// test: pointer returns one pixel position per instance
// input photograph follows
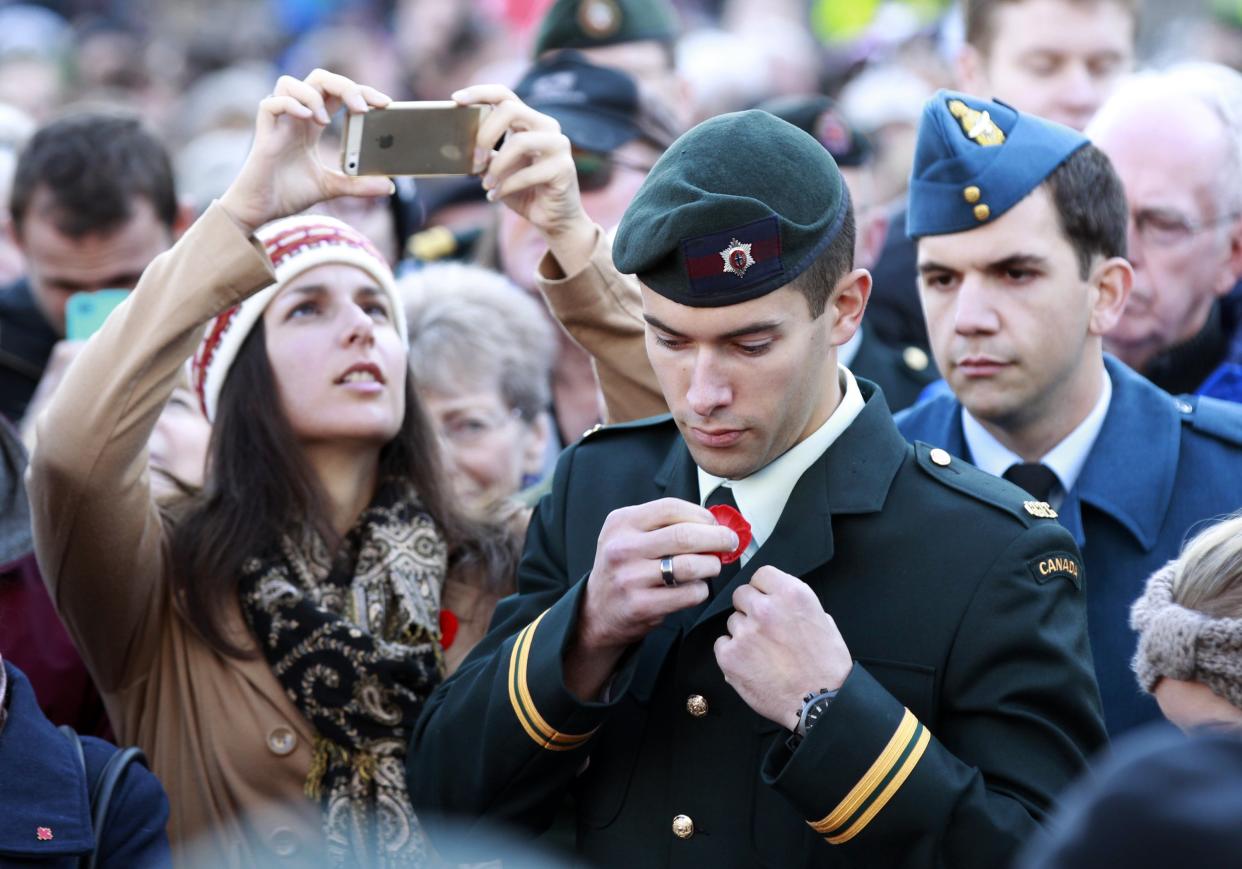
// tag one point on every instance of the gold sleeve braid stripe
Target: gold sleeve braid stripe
(519, 695)
(873, 791)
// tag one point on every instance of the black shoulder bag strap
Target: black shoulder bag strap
(104, 786)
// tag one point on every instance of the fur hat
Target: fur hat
(1185, 644)
(295, 245)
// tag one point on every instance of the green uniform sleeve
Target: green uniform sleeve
(1019, 714)
(502, 739)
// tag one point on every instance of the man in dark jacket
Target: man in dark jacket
(92, 204)
(885, 664)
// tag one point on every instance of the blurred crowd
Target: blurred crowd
(155, 592)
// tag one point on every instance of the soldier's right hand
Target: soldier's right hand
(626, 595)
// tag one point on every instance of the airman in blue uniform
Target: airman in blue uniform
(1021, 227)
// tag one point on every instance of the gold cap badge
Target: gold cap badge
(978, 126)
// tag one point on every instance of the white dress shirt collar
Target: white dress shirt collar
(1066, 459)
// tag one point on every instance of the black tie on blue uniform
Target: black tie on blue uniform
(1036, 478)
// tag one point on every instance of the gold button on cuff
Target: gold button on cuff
(696, 705)
(683, 827)
(982, 212)
(971, 194)
(282, 741)
(940, 457)
(915, 358)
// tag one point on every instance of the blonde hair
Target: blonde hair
(1208, 573)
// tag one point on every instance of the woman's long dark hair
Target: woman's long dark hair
(259, 485)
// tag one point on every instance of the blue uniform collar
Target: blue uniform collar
(1130, 471)
(1132, 468)
(44, 783)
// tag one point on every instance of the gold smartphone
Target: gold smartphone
(412, 138)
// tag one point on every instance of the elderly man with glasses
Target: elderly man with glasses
(1175, 138)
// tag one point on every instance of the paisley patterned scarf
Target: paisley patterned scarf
(353, 638)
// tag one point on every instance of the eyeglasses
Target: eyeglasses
(474, 428)
(1162, 227)
(595, 168)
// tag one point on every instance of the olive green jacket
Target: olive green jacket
(971, 705)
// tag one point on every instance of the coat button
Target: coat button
(683, 827)
(282, 741)
(284, 842)
(982, 212)
(696, 705)
(971, 194)
(940, 457)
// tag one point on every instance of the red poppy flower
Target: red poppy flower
(448, 628)
(730, 518)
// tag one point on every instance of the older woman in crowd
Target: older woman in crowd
(1190, 631)
(482, 352)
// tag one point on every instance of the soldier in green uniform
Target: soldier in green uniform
(895, 672)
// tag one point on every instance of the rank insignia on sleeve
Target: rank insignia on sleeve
(737, 258)
(1040, 509)
(978, 126)
(1056, 565)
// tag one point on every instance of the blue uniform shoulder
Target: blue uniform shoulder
(1212, 417)
(981, 486)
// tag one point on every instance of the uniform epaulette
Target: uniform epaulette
(1212, 416)
(969, 480)
(600, 430)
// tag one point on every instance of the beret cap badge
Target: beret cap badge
(737, 258)
(599, 18)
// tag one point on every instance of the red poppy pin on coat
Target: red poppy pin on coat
(730, 518)
(448, 628)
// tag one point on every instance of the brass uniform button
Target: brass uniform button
(696, 705)
(915, 358)
(982, 212)
(940, 457)
(282, 741)
(971, 194)
(683, 827)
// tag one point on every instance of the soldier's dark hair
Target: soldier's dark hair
(1091, 206)
(94, 164)
(820, 278)
(979, 18)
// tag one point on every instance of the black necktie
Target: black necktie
(1036, 478)
(724, 495)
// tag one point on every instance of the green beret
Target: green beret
(737, 207)
(588, 23)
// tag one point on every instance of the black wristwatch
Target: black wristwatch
(814, 705)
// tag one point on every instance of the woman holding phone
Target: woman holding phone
(269, 640)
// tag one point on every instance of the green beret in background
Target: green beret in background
(588, 23)
(739, 206)
(975, 159)
(822, 118)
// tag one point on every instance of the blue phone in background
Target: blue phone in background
(86, 312)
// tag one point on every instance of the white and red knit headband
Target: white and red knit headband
(294, 244)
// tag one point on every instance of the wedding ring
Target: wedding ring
(666, 571)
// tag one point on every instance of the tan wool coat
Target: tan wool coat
(231, 749)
